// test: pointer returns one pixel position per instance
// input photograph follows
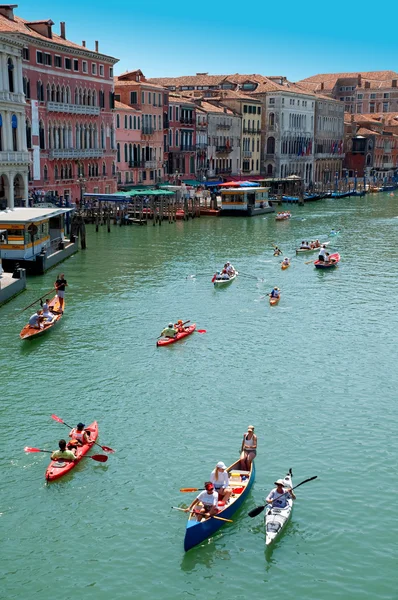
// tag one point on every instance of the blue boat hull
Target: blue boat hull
(198, 532)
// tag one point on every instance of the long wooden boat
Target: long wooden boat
(167, 341)
(283, 217)
(334, 260)
(308, 250)
(58, 468)
(276, 518)
(220, 282)
(196, 532)
(29, 332)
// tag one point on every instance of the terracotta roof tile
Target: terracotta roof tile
(121, 106)
(21, 26)
(366, 131)
(377, 79)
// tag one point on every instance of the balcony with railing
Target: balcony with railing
(201, 146)
(73, 109)
(150, 164)
(147, 130)
(14, 158)
(75, 153)
(223, 126)
(187, 121)
(224, 149)
(188, 147)
(134, 164)
(246, 154)
(225, 171)
(251, 130)
(16, 97)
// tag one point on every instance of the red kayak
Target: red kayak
(58, 468)
(179, 336)
(333, 261)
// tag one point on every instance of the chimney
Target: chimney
(96, 45)
(322, 86)
(7, 10)
(63, 34)
(84, 43)
(394, 83)
(359, 80)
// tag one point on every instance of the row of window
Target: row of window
(67, 171)
(248, 145)
(176, 113)
(152, 98)
(60, 136)
(292, 102)
(69, 64)
(62, 94)
(252, 110)
(332, 124)
(137, 155)
(185, 138)
(142, 176)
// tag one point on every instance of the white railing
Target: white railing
(246, 154)
(12, 97)
(150, 164)
(14, 157)
(75, 153)
(74, 109)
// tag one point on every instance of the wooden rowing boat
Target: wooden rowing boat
(196, 532)
(220, 282)
(29, 332)
(308, 250)
(334, 259)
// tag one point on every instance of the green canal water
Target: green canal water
(316, 375)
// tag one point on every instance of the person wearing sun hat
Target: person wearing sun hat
(248, 449)
(220, 479)
(208, 499)
(279, 496)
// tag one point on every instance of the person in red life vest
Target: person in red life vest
(208, 499)
(79, 436)
(179, 326)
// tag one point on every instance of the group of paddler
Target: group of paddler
(49, 313)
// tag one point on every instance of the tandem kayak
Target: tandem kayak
(276, 518)
(179, 336)
(241, 481)
(274, 301)
(333, 262)
(29, 332)
(58, 468)
(308, 250)
(218, 282)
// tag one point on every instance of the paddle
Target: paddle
(259, 509)
(104, 448)
(98, 457)
(38, 300)
(201, 330)
(198, 513)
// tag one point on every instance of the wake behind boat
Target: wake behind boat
(275, 518)
(241, 481)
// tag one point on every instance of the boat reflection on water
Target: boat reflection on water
(205, 554)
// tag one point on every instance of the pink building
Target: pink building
(69, 112)
(132, 89)
(128, 143)
(182, 138)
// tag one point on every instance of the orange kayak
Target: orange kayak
(283, 266)
(274, 301)
(29, 332)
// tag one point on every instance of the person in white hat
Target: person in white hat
(279, 496)
(220, 479)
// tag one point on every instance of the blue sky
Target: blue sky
(277, 37)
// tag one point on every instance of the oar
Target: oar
(104, 448)
(259, 509)
(38, 300)
(198, 513)
(98, 457)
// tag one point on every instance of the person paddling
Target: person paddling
(169, 331)
(36, 320)
(63, 453)
(286, 261)
(209, 501)
(275, 293)
(79, 436)
(60, 286)
(279, 496)
(322, 253)
(277, 251)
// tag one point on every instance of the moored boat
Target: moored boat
(196, 532)
(276, 518)
(334, 259)
(220, 281)
(29, 332)
(179, 336)
(58, 468)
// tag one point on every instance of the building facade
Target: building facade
(14, 157)
(328, 140)
(181, 138)
(359, 93)
(69, 113)
(132, 89)
(128, 145)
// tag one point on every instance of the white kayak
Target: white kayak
(224, 281)
(308, 250)
(276, 518)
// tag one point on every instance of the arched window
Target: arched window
(271, 145)
(56, 174)
(10, 66)
(89, 97)
(1, 133)
(113, 168)
(271, 119)
(125, 153)
(76, 96)
(40, 91)
(118, 153)
(14, 127)
(103, 169)
(26, 87)
(96, 170)
(135, 122)
(58, 94)
(102, 137)
(42, 140)
(63, 99)
(45, 173)
(94, 98)
(53, 93)
(130, 152)
(67, 94)
(117, 121)
(28, 134)
(125, 122)
(131, 122)
(269, 170)
(176, 138)
(84, 101)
